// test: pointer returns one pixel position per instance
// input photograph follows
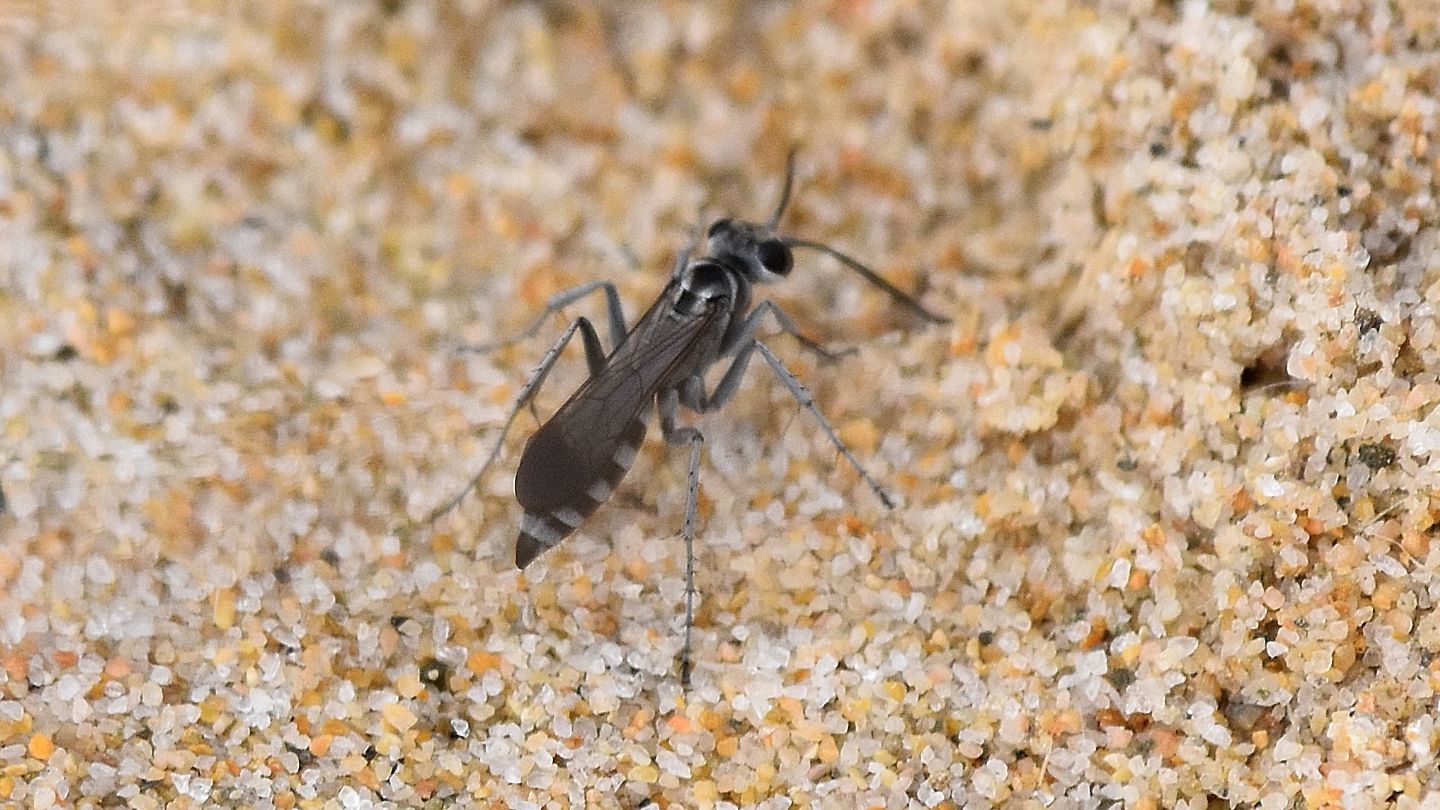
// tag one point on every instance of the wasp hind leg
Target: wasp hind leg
(594, 356)
(668, 404)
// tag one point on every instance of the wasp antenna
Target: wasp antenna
(900, 296)
(785, 189)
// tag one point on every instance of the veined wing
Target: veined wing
(593, 437)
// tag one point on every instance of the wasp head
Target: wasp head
(753, 249)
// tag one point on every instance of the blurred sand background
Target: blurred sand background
(1166, 529)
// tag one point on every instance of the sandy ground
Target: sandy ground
(1165, 530)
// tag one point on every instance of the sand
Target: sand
(1164, 533)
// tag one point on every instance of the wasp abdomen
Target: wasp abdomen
(559, 485)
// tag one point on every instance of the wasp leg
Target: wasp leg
(667, 404)
(594, 354)
(803, 397)
(615, 315)
(692, 392)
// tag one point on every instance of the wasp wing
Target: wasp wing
(592, 438)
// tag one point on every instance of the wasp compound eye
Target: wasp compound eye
(775, 256)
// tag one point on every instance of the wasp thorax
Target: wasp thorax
(704, 282)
